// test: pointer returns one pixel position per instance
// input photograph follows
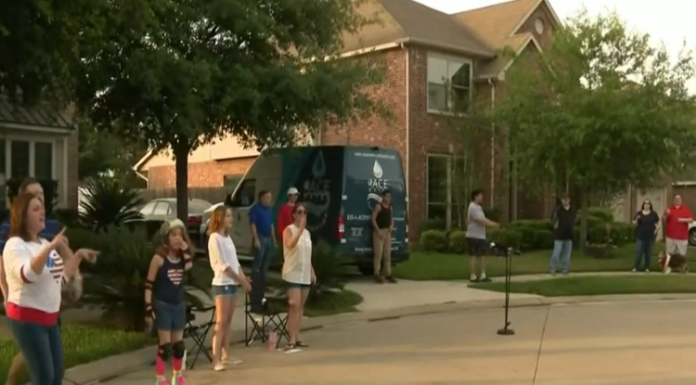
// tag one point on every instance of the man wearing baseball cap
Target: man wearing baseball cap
(285, 212)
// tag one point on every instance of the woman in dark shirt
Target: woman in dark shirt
(647, 222)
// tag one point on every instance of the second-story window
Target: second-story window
(449, 83)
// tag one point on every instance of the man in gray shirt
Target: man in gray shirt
(476, 235)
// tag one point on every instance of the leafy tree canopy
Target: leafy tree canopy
(601, 108)
(182, 73)
(39, 42)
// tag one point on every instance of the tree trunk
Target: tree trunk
(181, 152)
(584, 198)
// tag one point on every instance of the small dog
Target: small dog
(670, 262)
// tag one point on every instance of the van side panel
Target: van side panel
(369, 172)
(319, 180)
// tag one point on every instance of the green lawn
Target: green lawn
(83, 344)
(629, 284)
(434, 266)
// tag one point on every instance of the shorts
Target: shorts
(676, 246)
(295, 285)
(225, 290)
(477, 247)
(169, 317)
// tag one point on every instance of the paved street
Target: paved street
(620, 343)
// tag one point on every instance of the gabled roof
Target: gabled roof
(42, 116)
(406, 21)
(497, 22)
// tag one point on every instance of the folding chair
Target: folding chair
(198, 332)
(274, 318)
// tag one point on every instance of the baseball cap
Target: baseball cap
(293, 191)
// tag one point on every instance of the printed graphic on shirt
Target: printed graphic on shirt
(54, 264)
(176, 275)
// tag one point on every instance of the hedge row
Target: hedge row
(527, 235)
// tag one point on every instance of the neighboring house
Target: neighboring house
(222, 163)
(38, 142)
(427, 51)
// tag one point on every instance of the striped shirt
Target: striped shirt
(49, 232)
(32, 297)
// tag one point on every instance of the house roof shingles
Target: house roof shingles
(36, 116)
(483, 32)
(495, 23)
(404, 21)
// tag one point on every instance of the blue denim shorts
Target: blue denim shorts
(169, 316)
(225, 290)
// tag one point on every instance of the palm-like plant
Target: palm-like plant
(108, 203)
(330, 268)
(118, 286)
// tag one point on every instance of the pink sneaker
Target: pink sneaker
(179, 379)
(162, 381)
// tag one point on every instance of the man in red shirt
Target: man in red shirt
(285, 213)
(676, 219)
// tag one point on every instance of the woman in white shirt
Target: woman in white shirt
(35, 273)
(298, 272)
(226, 281)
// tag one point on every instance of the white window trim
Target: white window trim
(449, 58)
(32, 152)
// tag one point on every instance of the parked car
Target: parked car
(692, 233)
(165, 209)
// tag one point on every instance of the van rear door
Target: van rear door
(369, 172)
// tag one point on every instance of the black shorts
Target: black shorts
(477, 247)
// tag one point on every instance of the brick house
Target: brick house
(426, 52)
(39, 142)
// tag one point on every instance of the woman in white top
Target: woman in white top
(226, 281)
(298, 272)
(35, 273)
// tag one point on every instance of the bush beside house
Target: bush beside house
(533, 234)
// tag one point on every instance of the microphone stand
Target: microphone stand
(506, 330)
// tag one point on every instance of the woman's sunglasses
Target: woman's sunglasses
(300, 212)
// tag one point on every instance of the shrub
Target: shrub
(82, 238)
(433, 240)
(543, 239)
(621, 233)
(602, 214)
(67, 217)
(108, 203)
(329, 267)
(509, 237)
(457, 242)
(118, 284)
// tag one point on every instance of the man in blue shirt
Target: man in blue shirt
(263, 238)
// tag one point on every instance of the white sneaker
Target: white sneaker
(291, 348)
(472, 277)
(483, 277)
(634, 270)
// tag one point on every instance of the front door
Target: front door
(241, 229)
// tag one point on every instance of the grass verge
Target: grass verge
(442, 267)
(585, 286)
(333, 302)
(81, 345)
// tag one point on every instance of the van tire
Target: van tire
(366, 270)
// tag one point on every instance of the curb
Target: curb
(116, 366)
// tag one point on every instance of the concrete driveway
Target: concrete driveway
(611, 343)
